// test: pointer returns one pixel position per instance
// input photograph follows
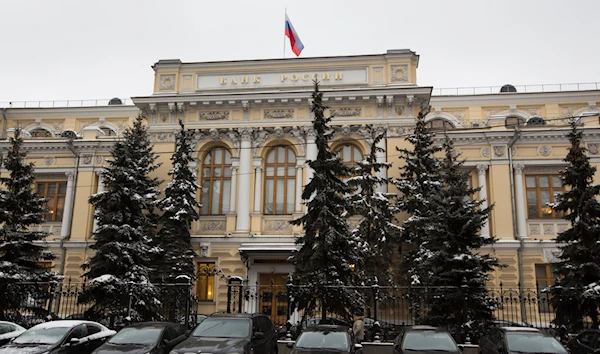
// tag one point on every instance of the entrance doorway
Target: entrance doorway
(273, 297)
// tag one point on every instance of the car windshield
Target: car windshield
(533, 343)
(323, 340)
(48, 335)
(223, 327)
(428, 340)
(137, 335)
(4, 328)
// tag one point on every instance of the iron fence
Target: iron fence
(393, 307)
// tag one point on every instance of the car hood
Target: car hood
(427, 352)
(317, 351)
(109, 348)
(211, 345)
(25, 348)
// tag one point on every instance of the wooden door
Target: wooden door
(273, 297)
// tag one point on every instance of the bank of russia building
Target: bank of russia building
(253, 136)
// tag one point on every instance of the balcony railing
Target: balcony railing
(67, 103)
(486, 90)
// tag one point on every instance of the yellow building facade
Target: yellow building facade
(253, 136)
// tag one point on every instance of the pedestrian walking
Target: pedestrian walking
(359, 329)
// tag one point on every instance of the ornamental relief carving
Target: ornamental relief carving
(279, 114)
(400, 110)
(167, 82)
(399, 73)
(277, 225)
(485, 152)
(499, 151)
(48, 160)
(212, 225)
(567, 112)
(346, 112)
(593, 148)
(534, 230)
(162, 137)
(224, 115)
(548, 229)
(545, 150)
(87, 159)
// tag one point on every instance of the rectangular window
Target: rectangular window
(542, 190)
(545, 276)
(55, 192)
(205, 283)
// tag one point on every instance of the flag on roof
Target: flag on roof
(295, 41)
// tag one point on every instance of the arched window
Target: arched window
(108, 131)
(216, 182)
(514, 121)
(40, 133)
(280, 181)
(536, 121)
(439, 124)
(350, 154)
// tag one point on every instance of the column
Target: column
(67, 211)
(233, 194)
(298, 206)
(243, 201)
(311, 152)
(381, 157)
(100, 190)
(482, 183)
(520, 201)
(257, 188)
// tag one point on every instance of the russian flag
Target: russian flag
(295, 41)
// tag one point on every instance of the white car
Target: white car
(8, 331)
(59, 337)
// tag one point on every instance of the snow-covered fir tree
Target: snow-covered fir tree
(21, 209)
(176, 256)
(419, 182)
(458, 271)
(576, 294)
(376, 232)
(323, 274)
(127, 222)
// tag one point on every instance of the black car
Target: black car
(60, 337)
(325, 338)
(586, 342)
(145, 337)
(507, 340)
(311, 322)
(386, 330)
(231, 333)
(8, 331)
(424, 340)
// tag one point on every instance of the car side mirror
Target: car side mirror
(258, 335)
(358, 346)
(289, 345)
(74, 341)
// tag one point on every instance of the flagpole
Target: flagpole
(284, 19)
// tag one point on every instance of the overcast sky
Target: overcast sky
(100, 49)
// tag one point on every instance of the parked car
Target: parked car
(585, 342)
(325, 338)
(506, 340)
(60, 337)
(298, 328)
(387, 330)
(193, 321)
(231, 333)
(424, 339)
(8, 331)
(145, 337)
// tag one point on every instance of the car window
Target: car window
(495, 337)
(78, 332)
(42, 335)
(6, 328)
(223, 328)
(587, 338)
(92, 329)
(533, 343)
(265, 324)
(137, 335)
(170, 333)
(323, 340)
(428, 340)
(179, 330)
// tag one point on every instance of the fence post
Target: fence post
(188, 303)
(130, 292)
(375, 299)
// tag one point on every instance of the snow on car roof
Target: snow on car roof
(11, 323)
(521, 329)
(64, 323)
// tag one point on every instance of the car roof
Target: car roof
(65, 323)
(234, 315)
(423, 328)
(521, 329)
(11, 323)
(152, 324)
(327, 328)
